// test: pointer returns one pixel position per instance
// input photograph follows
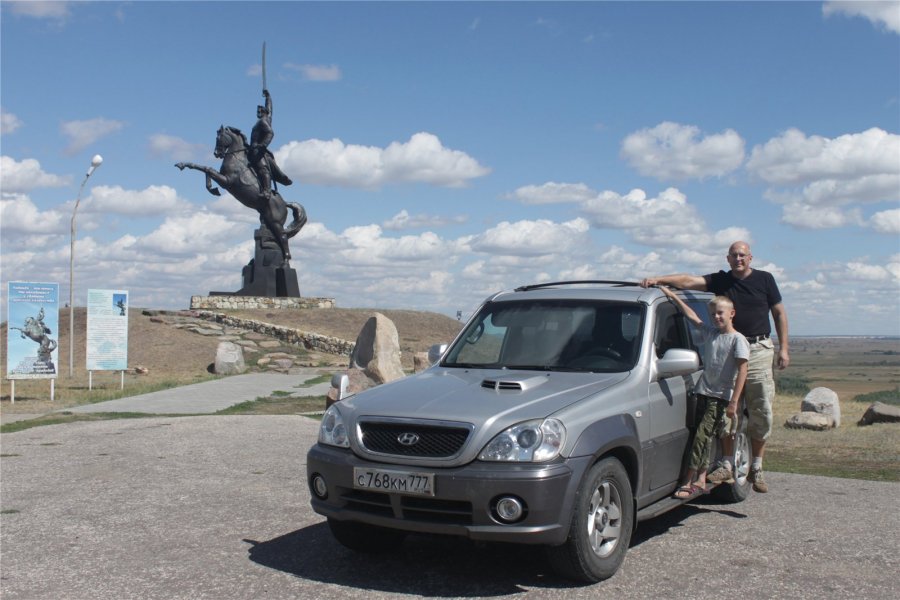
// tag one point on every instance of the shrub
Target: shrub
(792, 385)
(884, 396)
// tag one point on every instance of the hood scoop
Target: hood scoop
(513, 384)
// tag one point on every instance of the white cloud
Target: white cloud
(667, 220)
(18, 214)
(9, 122)
(422, 159)
(27, 175)
(804, 216)
(887, 221)
(155, 200)
(821, 181)
(84, 133)
(403, 220)
(48, 9)
(884, 15)
(317, 72)
(175, 148)
(194, 234)
(552, 193)
(532, 238)
(793, 158)
(675, 151)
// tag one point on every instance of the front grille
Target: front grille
(431, 441)
(411, 508)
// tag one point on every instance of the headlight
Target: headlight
(531, 441)
(333, 431)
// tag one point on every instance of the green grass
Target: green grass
(315, 381)
(277, 405)
(67, 417)
(77, 395)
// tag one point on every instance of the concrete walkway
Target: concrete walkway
(209, 396)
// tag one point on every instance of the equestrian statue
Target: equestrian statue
(250, 174)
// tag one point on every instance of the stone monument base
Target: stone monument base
(267, 274)
(231, 302)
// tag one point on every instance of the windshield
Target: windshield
(552, 335)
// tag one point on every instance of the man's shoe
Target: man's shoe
(721, 475)
(756, 478)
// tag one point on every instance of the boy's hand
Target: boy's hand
(731, 409)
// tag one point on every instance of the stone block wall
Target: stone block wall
(257, 302)
(309, 340)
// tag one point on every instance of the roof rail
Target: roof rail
(536, 286)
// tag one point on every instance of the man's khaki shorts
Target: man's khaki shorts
(759, 392)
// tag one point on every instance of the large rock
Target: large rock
(880, 412)
(810, 420)
(823, 401)
(229, 359)
(377, 350)
(358, 382)
(420, 361)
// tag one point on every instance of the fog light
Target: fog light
(509, 509)
(318, 487)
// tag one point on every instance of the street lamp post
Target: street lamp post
(95, 162)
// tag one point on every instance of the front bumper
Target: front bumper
(463, 501)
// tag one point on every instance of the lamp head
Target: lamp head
(95, 162)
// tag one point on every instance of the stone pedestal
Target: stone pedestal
(265, 275)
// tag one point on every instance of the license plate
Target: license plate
(400, 482)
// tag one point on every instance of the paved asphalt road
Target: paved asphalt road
(216, 507)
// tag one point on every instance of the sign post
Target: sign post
(107, 332)
(32, 332)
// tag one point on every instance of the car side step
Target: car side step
(666, 504)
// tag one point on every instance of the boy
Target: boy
(720, 386)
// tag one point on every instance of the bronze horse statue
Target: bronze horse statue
(239, 179)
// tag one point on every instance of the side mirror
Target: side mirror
(436, 352)
(340, 381)
(676, 362)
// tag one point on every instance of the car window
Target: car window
(700, 307)
(576, 335)
(670, 330)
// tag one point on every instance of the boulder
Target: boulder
(879, 412)
(823, 401)
(420, 361)
(377, 350)
(229, 359)
(810, 420)
(358, 382)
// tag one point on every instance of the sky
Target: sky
(448, 150)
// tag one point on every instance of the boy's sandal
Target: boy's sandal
(689, 491)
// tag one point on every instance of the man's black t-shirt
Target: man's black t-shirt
(753, 297)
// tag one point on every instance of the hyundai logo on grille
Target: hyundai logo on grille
(408, 439)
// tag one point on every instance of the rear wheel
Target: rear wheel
(601, 526)
(362, 537)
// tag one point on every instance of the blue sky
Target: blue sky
(444, 151)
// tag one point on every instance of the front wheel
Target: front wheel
(362, 537)
(601, 526)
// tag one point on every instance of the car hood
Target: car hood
(490, 400)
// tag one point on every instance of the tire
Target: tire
(738, 491)
(365, 538)
(601, 527)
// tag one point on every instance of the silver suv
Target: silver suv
(560, 416)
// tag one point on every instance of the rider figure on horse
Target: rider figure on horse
(261, 159)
